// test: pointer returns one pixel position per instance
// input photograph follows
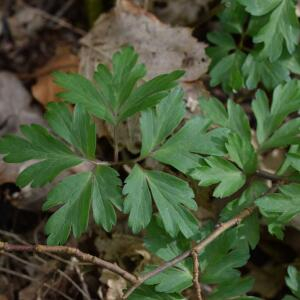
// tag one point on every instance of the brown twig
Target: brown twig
(199, 247)
(196, 275)
(71, 251)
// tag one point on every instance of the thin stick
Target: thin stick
(196, 275)
(71, 251)
(200, 246)
(81, 278)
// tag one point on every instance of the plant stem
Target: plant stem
(71, 251)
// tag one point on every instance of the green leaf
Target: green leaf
(177, 151)
(228, 72)
(286, 135)
(38, 144)
(249, 228)
(269, 73)
(281, 29)
(73, 195)
(214, 110)
(224, 43)
(148, 293)
(114, 95)
(218, 170)
(138, 201)
(173, 280)
(221, 258)
(238, 120)
(79, 90)
(160, 243)
(286, 100)
(158, 123)
(293, 280)
(172, 196)
(259, 7)
(234, 118)
(106, 193)
(279, 208)
(78, 130)
(233, 17)
(293, 158)
(149, 94)
(242, 153)
(288, 297)
(260, 107)
(59, 117)
(252, 193)
(234, 289)
(292, 61)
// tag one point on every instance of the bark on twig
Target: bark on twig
(85, 257)
(196, 275)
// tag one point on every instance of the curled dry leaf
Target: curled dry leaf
(158, 49)
(115, 285)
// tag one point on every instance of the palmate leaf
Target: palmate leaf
(233, 17)
(172, 196)
(75, 194)
(183, 150)
(228, 72)
(281, 29)
(77, 129)
(238, 143)
(279, 208)
(53, 155)
(220, 260)
(158, 123)
(227, 61)
(269, 73)
(218, 170)
(114, 95)
(38, 144)
(286, 100)
(234, 118)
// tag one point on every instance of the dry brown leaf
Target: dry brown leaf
(45, 90)
(115, 283)
(153, 40)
